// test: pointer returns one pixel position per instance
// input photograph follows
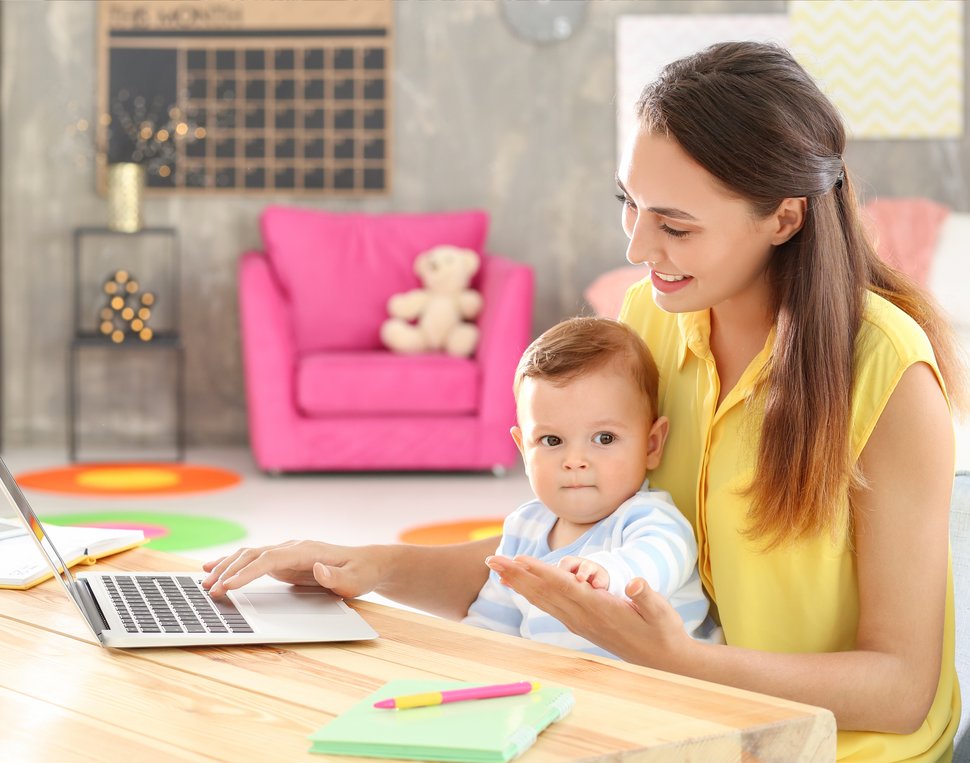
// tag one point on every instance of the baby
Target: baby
(588, 430)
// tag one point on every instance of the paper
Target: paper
(475, 731)
(22, 565)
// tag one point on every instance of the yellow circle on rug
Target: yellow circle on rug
(453, 532)
(128, 479)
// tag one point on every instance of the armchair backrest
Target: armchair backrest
(337, 270)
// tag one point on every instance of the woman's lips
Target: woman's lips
(668, 286)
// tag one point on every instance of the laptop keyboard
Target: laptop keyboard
(171, 604)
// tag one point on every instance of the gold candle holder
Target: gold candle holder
(126, 192)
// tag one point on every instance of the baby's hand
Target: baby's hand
(586, 571)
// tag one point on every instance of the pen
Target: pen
(457, 695)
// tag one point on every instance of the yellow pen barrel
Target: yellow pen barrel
(418, 700)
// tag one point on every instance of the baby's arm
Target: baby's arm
(495, 608)
(651, 540)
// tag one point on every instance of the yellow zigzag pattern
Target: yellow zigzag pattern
(893, 68)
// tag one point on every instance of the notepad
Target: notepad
(22, 565)
(477, 731)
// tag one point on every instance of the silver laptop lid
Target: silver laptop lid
(35, 529)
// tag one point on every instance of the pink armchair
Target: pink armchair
(323, 394)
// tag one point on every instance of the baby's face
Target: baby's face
(584, 443)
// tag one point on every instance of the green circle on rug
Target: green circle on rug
(167, 532)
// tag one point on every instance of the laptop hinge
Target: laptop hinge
(95, 615)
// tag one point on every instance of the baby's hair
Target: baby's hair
(578, 346)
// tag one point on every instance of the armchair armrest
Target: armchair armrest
(269, 352)
(505, 327)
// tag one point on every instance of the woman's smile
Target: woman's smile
(668, 283)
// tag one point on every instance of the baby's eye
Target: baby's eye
(550, 440)
(604, 438)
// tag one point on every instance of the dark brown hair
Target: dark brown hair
(578, 346)
(754, 119)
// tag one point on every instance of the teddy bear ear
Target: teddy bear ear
(472, 261)
(421, 261)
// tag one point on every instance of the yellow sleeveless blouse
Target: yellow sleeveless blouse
(804, 596)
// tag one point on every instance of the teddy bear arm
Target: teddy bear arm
(469, 304)
(408, 305)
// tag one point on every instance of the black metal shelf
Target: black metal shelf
(165, 340)
(99, 340)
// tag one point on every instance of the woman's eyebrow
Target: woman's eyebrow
(677, 214)
(671, 212)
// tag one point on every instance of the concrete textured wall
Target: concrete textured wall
(482, 119)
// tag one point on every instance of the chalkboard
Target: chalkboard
(258, 96)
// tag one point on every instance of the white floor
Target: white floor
(339, 508)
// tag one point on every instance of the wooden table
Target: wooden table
(64, 698)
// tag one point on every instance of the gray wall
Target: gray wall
(481, 119)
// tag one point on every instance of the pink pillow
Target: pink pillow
(905, 233)
(605, 295)
(338, 270)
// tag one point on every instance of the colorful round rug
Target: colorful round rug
(453, 532)
(166, 532)
(129, 479)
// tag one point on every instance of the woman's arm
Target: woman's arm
(443, 580)
(888, 682)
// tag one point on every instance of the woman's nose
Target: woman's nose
(642, 249)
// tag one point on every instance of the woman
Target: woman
(811, 445)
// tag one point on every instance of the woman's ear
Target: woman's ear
(788, 219)
(655, 441)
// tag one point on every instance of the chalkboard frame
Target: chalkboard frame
(254, 97)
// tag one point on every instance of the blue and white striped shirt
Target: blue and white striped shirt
(645, 537)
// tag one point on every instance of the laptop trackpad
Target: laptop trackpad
(294, 602)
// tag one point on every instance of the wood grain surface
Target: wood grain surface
(64, 698)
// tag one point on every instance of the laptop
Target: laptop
(144, 609)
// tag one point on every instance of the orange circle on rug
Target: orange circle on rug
(129, 479)
(453, 532)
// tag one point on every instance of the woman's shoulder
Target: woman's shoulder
(888, 331)
(888, 343)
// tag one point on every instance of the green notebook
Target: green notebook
(476, 730)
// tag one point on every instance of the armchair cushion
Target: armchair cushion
(337, 271)
(382, 383)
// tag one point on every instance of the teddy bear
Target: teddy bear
(434, 317)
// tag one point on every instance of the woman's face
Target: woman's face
(704, 247)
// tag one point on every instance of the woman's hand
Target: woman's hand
(346, 571)
(644, 629)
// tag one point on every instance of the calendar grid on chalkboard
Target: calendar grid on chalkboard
(259, 108)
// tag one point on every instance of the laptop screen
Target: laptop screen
(35, 529)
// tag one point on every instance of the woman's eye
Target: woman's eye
(673, 231)
(626, 201)
(550, 440)
(603, 438)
